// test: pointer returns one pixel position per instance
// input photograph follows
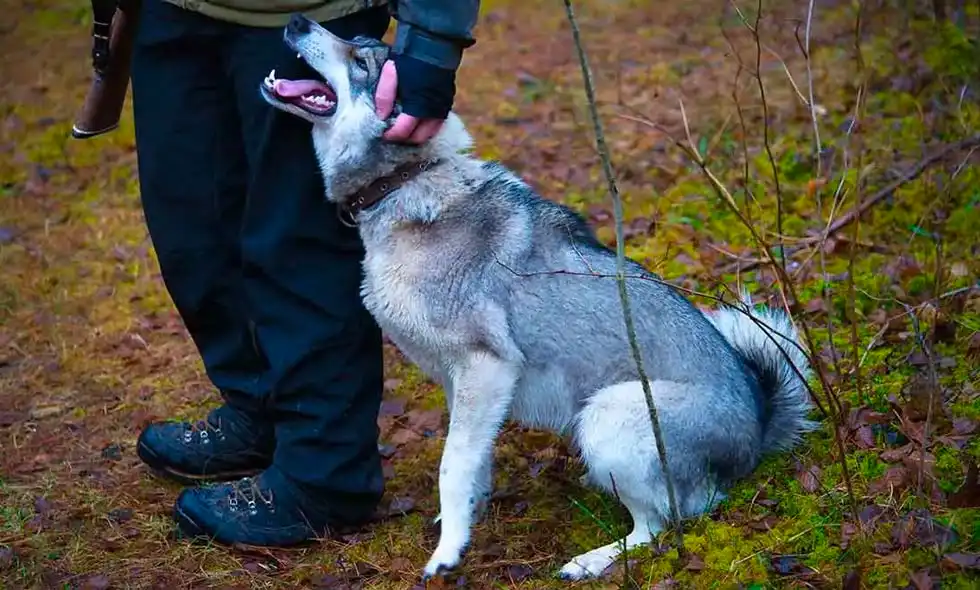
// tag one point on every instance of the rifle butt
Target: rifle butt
(103, 104)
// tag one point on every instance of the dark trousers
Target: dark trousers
(257, 263)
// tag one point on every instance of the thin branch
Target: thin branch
(620, 273)
(852, 215)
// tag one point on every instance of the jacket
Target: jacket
(433, 31)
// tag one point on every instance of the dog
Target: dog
(510, 303)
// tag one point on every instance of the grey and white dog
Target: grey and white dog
(509, 302)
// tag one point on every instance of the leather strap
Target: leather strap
(384, 186)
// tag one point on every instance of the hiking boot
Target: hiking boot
(227, 445)
(267, 510)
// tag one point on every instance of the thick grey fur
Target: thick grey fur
(508, 301)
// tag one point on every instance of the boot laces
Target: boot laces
(204, 430)
(247, 491)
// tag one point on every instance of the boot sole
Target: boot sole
(188, 528)
(159, 467)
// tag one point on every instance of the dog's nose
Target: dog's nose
(298, 24)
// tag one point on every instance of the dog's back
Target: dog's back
(559, 287)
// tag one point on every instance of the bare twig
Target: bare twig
(767, 143)
(783, 282)
(908, 310)
(818, 146)
(852, 215)
(620, 273)
(858, 182)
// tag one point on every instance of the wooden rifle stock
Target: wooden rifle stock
(114, 24)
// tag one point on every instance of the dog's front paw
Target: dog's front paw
(585, 566)
(444, 559)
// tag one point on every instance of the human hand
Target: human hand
(426, 100)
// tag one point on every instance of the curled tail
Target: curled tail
(771, 350)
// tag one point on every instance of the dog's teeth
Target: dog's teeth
(272, 74)
(299, 56)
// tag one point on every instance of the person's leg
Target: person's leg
(193, 181)
(302, 276)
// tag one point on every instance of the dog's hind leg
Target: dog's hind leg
(483, 388)
(616, 440)
(591, 564)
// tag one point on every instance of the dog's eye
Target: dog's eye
(361, 63)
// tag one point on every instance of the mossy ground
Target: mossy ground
(91, 349)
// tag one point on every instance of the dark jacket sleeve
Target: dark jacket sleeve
(434, 31)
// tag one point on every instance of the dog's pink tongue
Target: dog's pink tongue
(295, 88)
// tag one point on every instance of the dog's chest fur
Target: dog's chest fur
(398, 271)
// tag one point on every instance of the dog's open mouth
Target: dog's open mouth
(313, 96)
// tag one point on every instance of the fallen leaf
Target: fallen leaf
(809, 478)
(11, 418)
(866, 416)
(960, 426)
(42, 506)
(96, 582)
(816, 306)
(400, 564)
(120, 515)
(403, 436)
(694, 563)
(968, 495)
(925, 401)
(392, 407)
(943, 328)
(112, 452)
(787, 565)
(973, 348)
(960, 561)
(864, 437)
(852, 581)
(847, 532)
(765, 523)
(894, 479)
(889, 324)
(921, 580)
(520, 508)
(359, 570)
(425, 422)
(519, 572)
(401, 506)
(917, 461)
(7, 557)
(253, 567)
(919, 528)
(896, 455)
(328, 582)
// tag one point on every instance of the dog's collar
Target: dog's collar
(382, 187)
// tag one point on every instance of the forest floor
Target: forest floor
(91, 349)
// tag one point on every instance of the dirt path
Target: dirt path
(91, 349)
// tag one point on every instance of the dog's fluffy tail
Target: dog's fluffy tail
(768, 343)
